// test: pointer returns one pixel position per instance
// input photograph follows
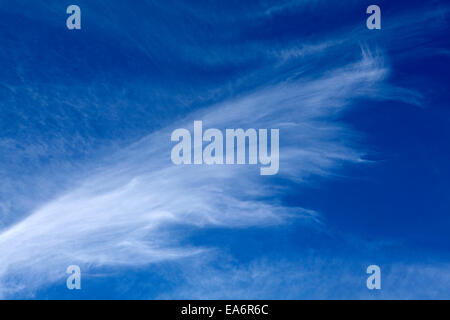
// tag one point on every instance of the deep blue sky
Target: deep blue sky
(372, 135)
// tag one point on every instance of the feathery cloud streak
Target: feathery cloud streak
(121, 214)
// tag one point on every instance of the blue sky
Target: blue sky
(85, 150)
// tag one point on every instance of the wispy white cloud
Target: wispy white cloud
(122, 213)
(312, 276)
